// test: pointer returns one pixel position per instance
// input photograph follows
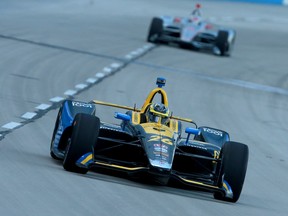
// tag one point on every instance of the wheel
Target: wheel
(84, 136)
(234, 165)
(155, 30)
(53, 136)
(222, 42)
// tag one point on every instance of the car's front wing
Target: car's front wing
(87, 161)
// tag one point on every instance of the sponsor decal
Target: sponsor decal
(196, 146)
(111, 129)
(81, 104)
(161, 150)
(161, 154)
(212, 131)
(160, 145)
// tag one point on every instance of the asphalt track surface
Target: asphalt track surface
(87, 50)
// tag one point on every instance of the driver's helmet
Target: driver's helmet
(158, 111)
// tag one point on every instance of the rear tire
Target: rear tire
(84, 136)
(222, 42)
(234, 165)
(155, 30)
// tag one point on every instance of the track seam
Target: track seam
(55, 102)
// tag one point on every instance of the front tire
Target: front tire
(84, 136)
(234, 165)
(155, 30)
(222, 42)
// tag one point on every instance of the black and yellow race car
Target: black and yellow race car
(148, 143)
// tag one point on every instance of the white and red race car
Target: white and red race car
(192, 32)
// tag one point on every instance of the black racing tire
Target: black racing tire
(155, 30)
(54, 134)
(83, 138)
(234, 158)
(222, 42)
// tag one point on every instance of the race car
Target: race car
(148, 143)
(192, 32)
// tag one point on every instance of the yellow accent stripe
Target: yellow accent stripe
(198, 183)
(115, 105)
(151, 128)
(146, 103)
(120, 167)
(136, 118)
(89, 157)
(225, 186)
(174, 125)
(182, 119)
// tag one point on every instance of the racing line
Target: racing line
(44, 108)
(130, 58)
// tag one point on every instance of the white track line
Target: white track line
(70, 92)
(134, 53)
(140, 51)
(116, 65)
(148, 46)
(81, 86)
(107, 70)
(92, 80)
(43, 106)
(11, 125)
(56, 99)
(129, 56)
(29, 115)
(100, 75)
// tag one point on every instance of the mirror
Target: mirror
(122, 116)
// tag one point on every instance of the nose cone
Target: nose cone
(160, 171)
(160, 164)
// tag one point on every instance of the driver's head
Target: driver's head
(158, 111)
